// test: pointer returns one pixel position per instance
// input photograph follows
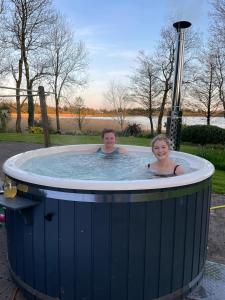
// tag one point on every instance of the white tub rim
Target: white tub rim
(204, 170)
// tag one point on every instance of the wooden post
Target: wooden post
(44, 116)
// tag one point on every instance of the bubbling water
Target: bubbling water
(94, 166)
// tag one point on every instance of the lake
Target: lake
(144, 121)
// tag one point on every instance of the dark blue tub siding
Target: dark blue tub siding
(110, 251)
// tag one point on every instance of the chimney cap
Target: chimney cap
(181, 25)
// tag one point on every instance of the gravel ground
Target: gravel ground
(216, 243)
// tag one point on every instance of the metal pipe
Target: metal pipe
(175, 119)
(179, 63)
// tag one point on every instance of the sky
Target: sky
(114, 31)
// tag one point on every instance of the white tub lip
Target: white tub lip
(205, 170)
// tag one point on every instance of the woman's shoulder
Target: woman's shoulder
(122, 150)
(116, 150)
(178, 169)
(98, 150)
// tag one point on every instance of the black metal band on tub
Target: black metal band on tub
(41, 296)
(28, 288)
(184, 290)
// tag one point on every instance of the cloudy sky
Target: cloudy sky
(114, 31)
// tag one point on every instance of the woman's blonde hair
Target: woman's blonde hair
(161, 137)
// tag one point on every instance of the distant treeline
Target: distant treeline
(137, 111)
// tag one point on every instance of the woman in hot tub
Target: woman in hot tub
(163, 166)
(109, 143)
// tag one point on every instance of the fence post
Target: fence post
(44, 116)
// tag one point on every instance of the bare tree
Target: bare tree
(11, 63)
(17, 75)
(205, 84)
(220, 78)
(77, 105)
(145, 85)
(218, 20)
(218, 40)
(1, 6)
(68, 61)
(5, 61)
(26, 25)
(118, 99)
(38, 69)
(164, 60)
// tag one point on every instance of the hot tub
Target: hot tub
(108, 240)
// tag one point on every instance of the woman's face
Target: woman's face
(109, 139)
(160, 150)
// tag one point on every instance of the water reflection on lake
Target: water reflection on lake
(144, 121)
(218, 121)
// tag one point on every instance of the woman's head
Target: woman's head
(161, 137)
(107, 130)
(160, 146)
(109, 137)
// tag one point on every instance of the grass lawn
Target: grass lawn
(57, 139)
(215, 155)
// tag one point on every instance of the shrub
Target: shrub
(203, 134)
(133, 129)
(39, 123)
(35, 130)
(5, 115)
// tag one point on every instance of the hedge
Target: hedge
(203, 134)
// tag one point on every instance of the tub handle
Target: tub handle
(49, 216)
